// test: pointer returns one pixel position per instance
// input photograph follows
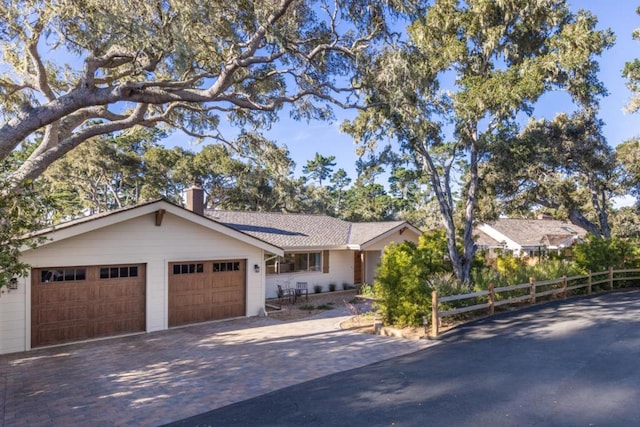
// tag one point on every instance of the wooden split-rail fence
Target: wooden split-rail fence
(528, 293)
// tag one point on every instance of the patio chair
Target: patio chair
(302, 288)
(285, 293)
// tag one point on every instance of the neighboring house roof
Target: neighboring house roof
(556, 239)
(533, 232)
(483, 240)
(159, 207)
(297, 231)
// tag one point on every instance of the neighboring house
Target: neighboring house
(531, 238)
(156, 265)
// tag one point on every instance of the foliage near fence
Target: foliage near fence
(409, 273)
(529, 292)
(404, 269)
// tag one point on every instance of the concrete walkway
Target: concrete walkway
(152, 379)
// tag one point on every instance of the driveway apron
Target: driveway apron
(156, 378)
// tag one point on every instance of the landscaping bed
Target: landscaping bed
(302, 308)
(321, 302)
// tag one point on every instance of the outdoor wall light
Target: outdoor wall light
(256, 268)
(13, 283)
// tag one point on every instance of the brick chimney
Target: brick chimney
(195, 199)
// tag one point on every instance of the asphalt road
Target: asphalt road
(566, 363)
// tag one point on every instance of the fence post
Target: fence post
(589, 280)
(492, 300)
(434, 314)
(564, 286)
(610, 278)
(532, 289)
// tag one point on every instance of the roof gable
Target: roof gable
(364, 234)
(160, 207)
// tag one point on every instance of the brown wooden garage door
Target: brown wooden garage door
(200, 291)
(78, 303)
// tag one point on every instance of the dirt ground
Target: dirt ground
(329, 300)
(316, 303)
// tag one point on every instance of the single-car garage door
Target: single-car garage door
(200, 291)
(78, 303)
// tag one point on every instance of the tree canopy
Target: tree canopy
(467, 71)
(77, 70)
(632, 72)
(563, 166)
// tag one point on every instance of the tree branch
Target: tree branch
(36, 164)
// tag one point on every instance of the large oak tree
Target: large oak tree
(72, 71)
(75, 70)
(563, 165)
(468, 70)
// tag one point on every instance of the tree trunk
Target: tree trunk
(469, 246)
(576, 217)
(600, 208)
(445, 203)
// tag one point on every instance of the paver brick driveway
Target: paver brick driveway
(157, 378)
(561, 364)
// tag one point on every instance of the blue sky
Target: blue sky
(305, 139)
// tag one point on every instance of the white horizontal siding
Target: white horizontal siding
(340, 271)
(394, 237)
(12, 318)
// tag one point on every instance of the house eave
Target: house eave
(315, 248)
(64, 232)
(398, 228)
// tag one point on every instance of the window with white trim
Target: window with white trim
(296, 262)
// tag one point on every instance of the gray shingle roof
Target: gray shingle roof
(482, 239)
(362, 232)
(533, 232)
(290, 231)
(287, 230)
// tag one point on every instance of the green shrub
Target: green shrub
(432, 252)
(367, 290)
(597, 254)
(345, 286)
(401, 289)
(332, 287)
(317, 289)
(554, 268)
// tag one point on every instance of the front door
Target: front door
(358, 267)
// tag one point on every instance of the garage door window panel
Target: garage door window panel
(188, 268)
(219, 267)
(116, 272)
(62, 275)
